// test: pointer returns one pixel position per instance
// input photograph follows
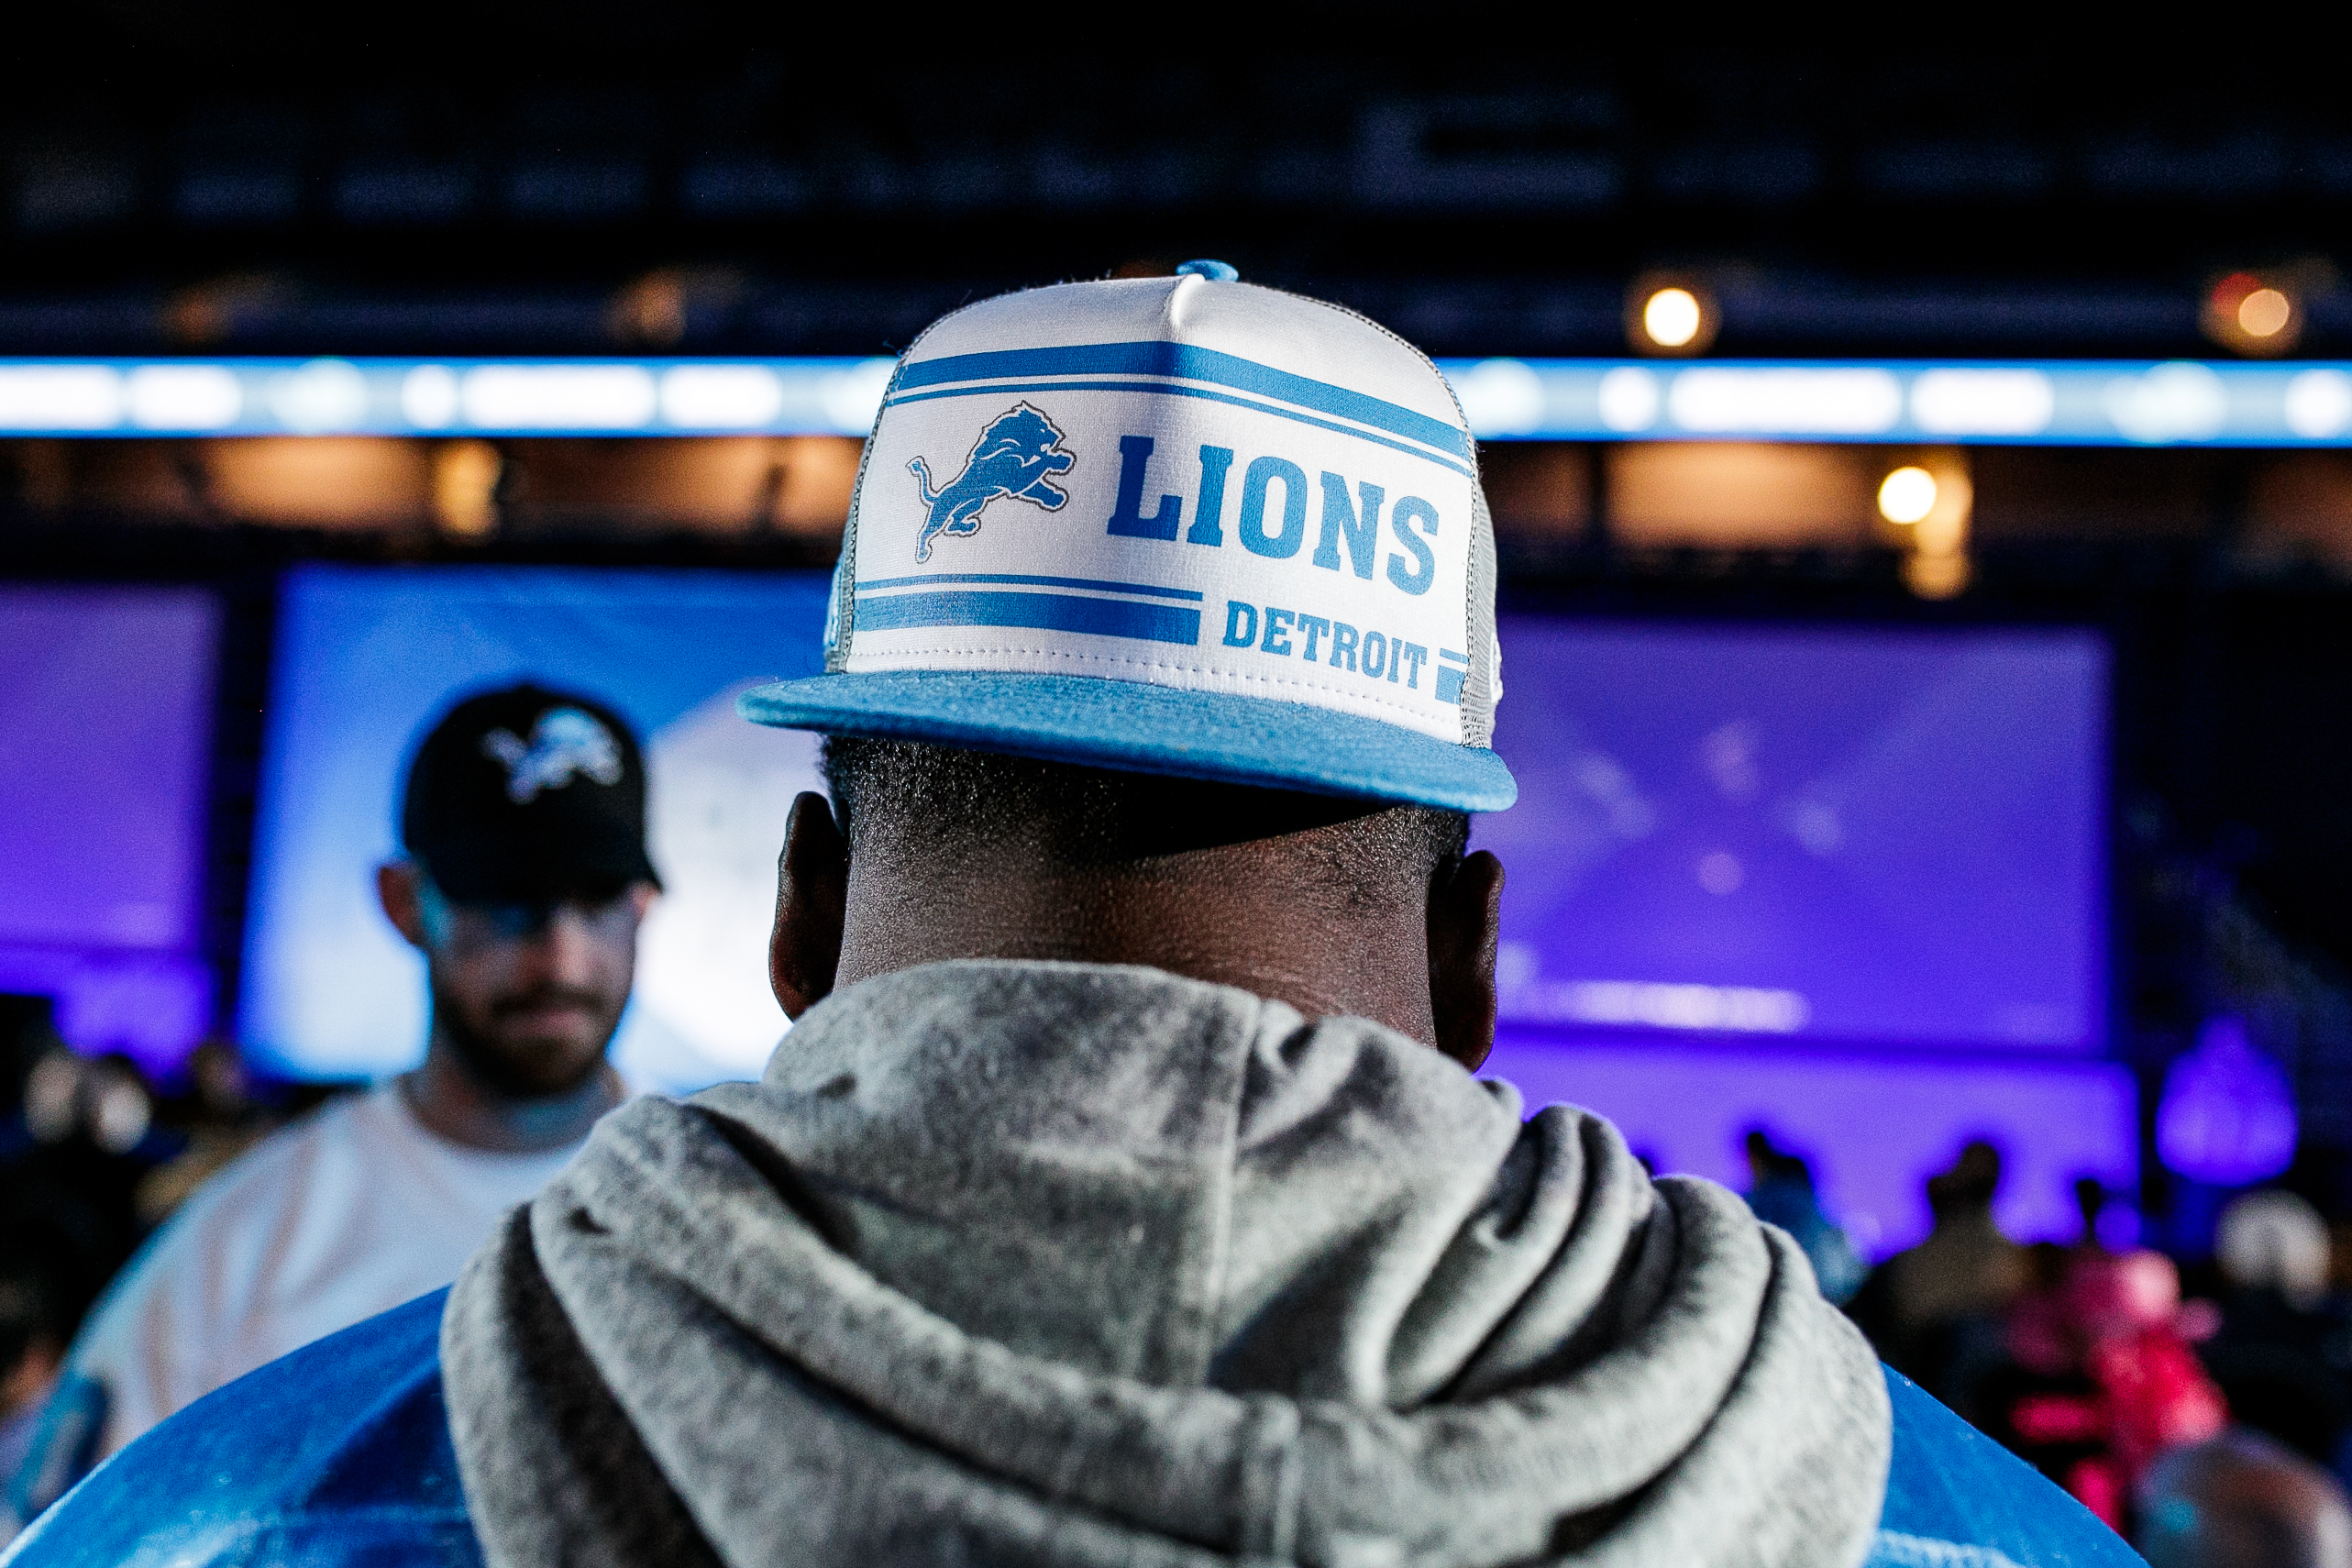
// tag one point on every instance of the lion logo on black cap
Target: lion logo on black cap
(565, 744)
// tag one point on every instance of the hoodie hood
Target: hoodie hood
(1074, 1264)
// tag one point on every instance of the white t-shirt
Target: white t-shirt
(348, 1212)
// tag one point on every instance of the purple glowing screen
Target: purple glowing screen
(1865, 837)
(1872, 1128)
(105, 712)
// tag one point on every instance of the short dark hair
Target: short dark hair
(1094, 816)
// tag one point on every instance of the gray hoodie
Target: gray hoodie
(1054, 1263)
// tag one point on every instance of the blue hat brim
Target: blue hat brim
(1136, 728)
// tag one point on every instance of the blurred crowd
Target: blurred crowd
(2205, 1412)
(2173, 1402)
(93, 1156)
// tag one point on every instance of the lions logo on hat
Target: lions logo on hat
(1015, 457)
(564, 745)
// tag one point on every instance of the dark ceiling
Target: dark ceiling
(439, 180)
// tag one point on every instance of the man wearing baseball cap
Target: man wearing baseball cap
(1122, 1194)
(523, 883)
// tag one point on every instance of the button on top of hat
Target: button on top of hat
(1215, 271)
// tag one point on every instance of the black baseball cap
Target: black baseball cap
(528, 794)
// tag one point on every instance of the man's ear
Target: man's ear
(812, 901)
(1465, 923)
(398, 889)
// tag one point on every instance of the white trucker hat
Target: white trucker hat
(1182, 525)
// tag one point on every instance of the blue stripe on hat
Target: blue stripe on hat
(1137, 727)
(928, 579)
(1000, 388)
(1192, 364)
(1044, 611)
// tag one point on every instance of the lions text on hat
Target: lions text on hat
(1020, 450)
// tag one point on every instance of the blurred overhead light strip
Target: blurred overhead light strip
(2053, 403)
(2076, 403)
(441, 397)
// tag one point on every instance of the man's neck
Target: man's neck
(452, 1103)
(1232, 923)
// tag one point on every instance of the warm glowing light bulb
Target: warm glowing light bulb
(2265, 313)
(1906, 495)
(1672, 317)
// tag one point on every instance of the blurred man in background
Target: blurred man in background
(524, 883)
(1936, 1310)
(1780, 1192)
